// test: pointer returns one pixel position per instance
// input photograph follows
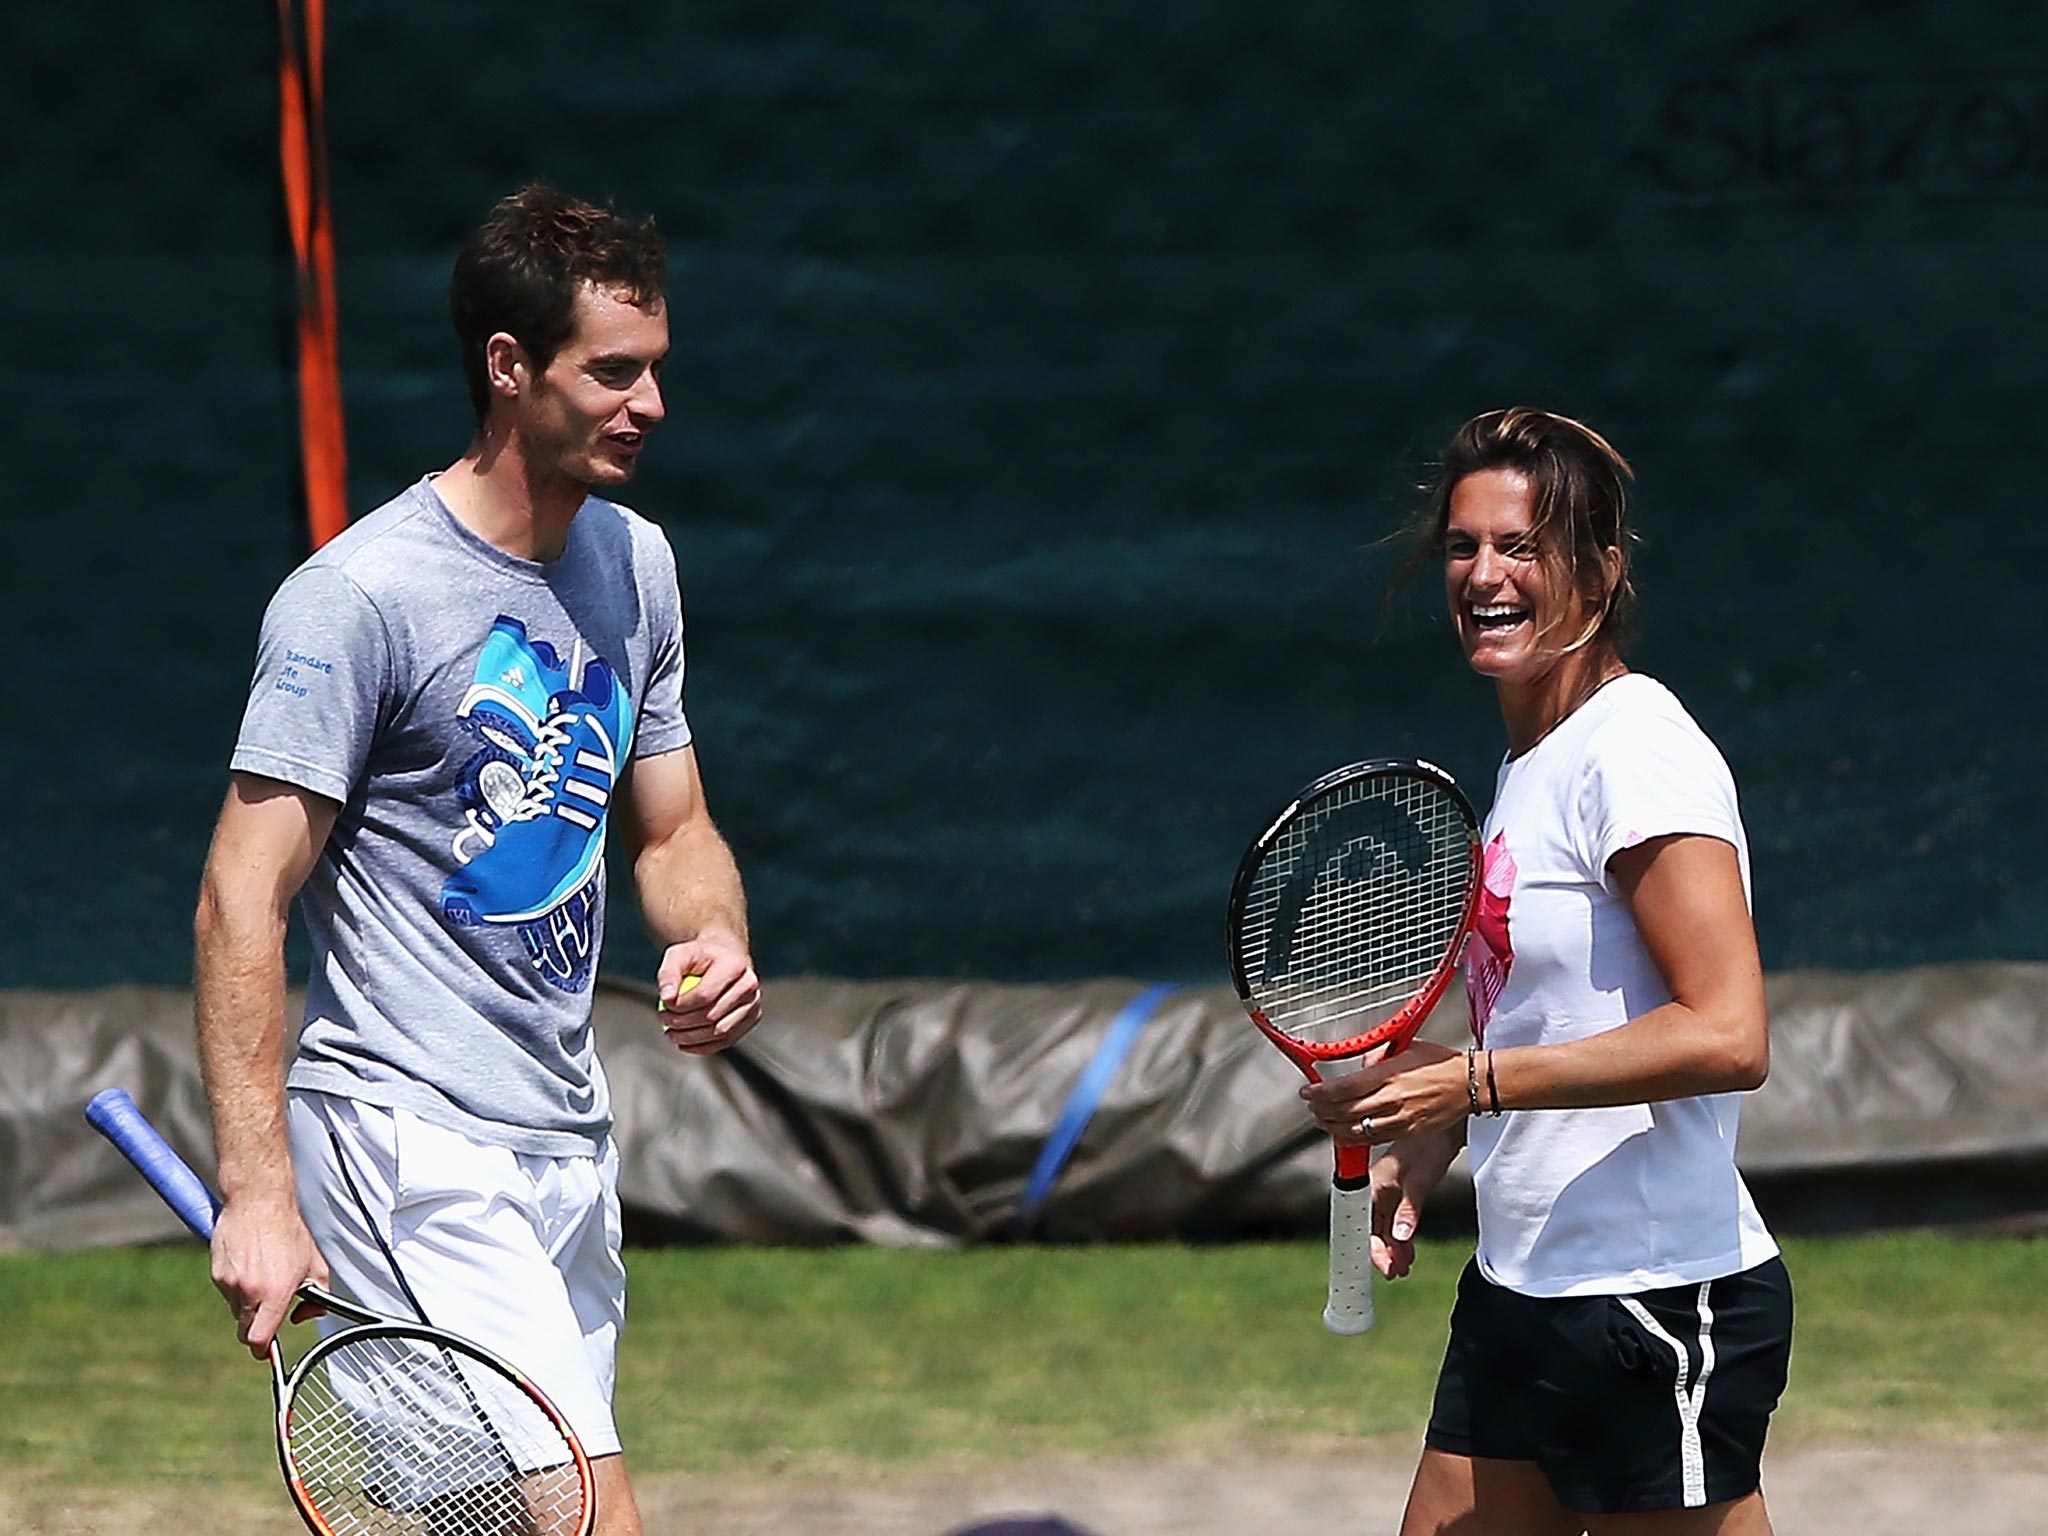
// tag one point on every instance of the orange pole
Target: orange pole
(302, 148)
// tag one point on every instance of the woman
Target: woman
(1621, 1335)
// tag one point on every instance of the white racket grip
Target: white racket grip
(1350, 1308)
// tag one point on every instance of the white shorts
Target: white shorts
(516, 1252)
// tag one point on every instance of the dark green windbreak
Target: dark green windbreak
(1045, 376)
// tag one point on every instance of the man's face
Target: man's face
(588, 413)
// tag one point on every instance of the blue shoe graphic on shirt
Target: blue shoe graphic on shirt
(537, 792)
(503, 709)
(516, 680)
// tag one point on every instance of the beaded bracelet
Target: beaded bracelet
(1472, 1077)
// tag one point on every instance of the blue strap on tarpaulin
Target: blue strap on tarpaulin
(1087, 1092)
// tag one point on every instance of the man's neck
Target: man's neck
(498, 495)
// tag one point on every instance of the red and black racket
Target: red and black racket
(1346, 920)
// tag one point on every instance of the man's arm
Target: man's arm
(264, 846)
(692, 903)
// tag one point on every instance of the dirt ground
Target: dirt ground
(1983, 1488)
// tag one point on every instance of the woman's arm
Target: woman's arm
(1685, 894)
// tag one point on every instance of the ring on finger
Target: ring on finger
(1362, 1126)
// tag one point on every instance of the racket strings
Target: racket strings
(402, 1436)
(1354, 906)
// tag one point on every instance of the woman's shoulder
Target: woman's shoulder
(1642, 720)
(1637, 701)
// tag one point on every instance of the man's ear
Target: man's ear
(506, 366)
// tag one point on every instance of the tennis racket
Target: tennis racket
(386, 1427)
(1346, 920)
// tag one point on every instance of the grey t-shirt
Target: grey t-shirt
(472, 712)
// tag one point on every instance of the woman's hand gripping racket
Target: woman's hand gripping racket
(1347, 917)
(392, 1427)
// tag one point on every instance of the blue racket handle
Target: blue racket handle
(115, 1116)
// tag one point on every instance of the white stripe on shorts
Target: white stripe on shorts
(1692, 1460)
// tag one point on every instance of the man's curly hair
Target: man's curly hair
(521, 270)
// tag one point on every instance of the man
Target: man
(449, 701)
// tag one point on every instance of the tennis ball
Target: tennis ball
(687, 984)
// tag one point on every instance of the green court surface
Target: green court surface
(120, 1365)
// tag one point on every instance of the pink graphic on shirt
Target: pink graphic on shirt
(1490, 954)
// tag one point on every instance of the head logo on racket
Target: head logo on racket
(1345, 924)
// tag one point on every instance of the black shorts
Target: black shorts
(1659, 1400)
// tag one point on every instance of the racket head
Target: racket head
(394, 1427)
(1350, 910)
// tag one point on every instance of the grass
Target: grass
(120, 1364)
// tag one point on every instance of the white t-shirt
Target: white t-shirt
(1577, 1202)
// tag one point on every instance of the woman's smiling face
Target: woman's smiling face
(1510, 622)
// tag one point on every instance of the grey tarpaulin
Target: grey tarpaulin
(912, 1112)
